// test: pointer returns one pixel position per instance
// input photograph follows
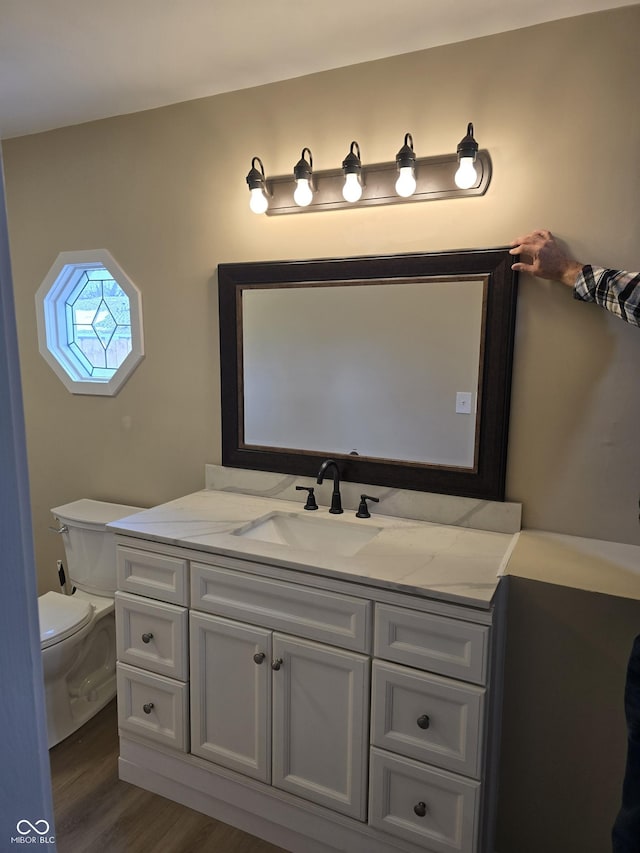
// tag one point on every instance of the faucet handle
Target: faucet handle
(363, 509)
(311, 500)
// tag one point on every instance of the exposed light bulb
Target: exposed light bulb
(258, 202)
(466, 176)
(406, 183)
(302, 172)
(256, 181)
(303, 193)
(352, 169)
(406, 162)
(352, 189)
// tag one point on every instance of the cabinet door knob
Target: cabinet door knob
(276, 664)
(420, 809)
(147, 708)
(146, 638)
(259, 657)
(423, 722)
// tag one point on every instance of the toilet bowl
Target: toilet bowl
(77, 632)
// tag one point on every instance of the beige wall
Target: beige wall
(164, 191)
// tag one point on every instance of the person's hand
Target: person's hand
(545, 258)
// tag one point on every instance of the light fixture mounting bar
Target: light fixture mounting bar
(434, 179)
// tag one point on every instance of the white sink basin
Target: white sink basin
(309, 533)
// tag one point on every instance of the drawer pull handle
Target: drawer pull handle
(420, 809)
(146, 638)
(276, 664)
(423, 722)
(259, 657)
(148, 707)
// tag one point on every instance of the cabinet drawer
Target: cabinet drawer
(435, 643)
(333, 618)
(152, 635)
(432, 808)
(153, 706)
(154, 575)
(427, 717)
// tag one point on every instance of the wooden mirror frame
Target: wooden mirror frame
(487, 479)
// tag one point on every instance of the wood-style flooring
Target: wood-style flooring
(95, 811)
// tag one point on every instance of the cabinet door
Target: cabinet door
(320, 724)
(231, 694)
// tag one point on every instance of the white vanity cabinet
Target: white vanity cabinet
(152, 647)
(321, 714)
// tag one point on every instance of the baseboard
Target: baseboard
(275, 816)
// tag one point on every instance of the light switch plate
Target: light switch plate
(463, 402)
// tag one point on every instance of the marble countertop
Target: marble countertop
(456, 564)
(593, 565)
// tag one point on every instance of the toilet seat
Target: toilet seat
(61, 616)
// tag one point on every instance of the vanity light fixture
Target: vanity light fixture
(466, 176)
(406, 161)
(407, 179)
(257, 182)
(303, 176)
(352, 168)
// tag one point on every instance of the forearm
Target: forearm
(616, 290)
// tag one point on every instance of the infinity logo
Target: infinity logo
(32, 827)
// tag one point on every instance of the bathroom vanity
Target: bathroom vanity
(321, 681)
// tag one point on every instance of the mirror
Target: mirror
(344, 373)
(398, 367)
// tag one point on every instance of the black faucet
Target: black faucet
(311, 501)
(336, 501)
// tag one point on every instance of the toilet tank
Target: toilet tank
(90, 548)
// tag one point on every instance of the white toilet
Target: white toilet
(77, 632)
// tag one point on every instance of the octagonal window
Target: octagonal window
(90, 322)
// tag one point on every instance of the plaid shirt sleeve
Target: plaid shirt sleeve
(615, 290)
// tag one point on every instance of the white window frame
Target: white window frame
(53, 343)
